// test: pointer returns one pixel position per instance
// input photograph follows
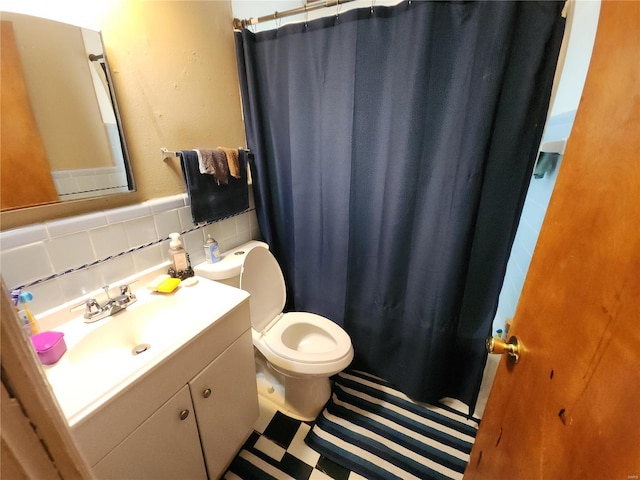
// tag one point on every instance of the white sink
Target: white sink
(151, 323)
(101, 358)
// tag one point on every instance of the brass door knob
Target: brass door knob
(513, 347)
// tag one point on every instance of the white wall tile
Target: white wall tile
(77, 285)
(243, 223)
(140, 231)
(186, 220)
(193, 242)
(253, 219)
(86, 183)
(109, 240)
(70, 251)
(255, 234)
(159, 205)
(35, 252)
(128, 213)
(19, 237)
(164, 250)
(244, 237)
(147, 257)
(228, 228)
(46, 295)
(252, 202)
(66, 226)
(25, 264)
(65, 185)
(215, 230)
(167, 222)
(116, 269)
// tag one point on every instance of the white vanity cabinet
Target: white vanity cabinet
(225, 401)
(166, 446)
(185, 419)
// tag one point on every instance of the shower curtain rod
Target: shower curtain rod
(240, 24)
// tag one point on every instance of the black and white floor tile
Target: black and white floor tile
(276, 450)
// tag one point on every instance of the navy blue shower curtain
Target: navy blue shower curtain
(393, 148)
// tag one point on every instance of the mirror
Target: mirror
(61, 136)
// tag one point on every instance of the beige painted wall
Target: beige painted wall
(175, 75)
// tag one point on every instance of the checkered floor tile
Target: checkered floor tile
(276, 450)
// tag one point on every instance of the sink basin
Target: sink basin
(105, 357)
(151, 324)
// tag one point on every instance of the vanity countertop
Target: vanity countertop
(100, 363)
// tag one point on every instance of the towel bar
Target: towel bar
(168, 153)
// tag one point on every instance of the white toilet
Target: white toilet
(296, 352)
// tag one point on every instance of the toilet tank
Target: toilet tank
(227, 270)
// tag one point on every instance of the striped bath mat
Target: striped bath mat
(373, 429)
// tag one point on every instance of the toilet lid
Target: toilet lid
(262, 278)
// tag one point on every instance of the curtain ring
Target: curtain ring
(373, 2)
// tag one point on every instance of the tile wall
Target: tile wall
(84, 253)
(86, 182)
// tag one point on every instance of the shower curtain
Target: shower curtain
(393, 148)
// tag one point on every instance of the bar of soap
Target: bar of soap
(189, 282)
(168, 285)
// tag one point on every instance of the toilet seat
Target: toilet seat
(320, 341)
(300, 342)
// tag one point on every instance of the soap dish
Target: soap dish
(49, 346)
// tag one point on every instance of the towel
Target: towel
(232, 161)
(214, 162)
(546, 163)
(209, 199)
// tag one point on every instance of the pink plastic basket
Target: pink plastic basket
(49, 346)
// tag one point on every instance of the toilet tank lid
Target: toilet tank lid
(230, 263)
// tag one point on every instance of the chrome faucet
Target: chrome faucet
(93, 311)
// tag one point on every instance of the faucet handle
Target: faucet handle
(106, 290)
(86, 305)
(92, 308)
(126, 289)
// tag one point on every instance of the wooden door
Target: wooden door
(24, 169)
(569, 408)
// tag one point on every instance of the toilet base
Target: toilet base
(302, 398)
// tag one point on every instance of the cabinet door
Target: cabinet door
(225, 398)
(165, 446)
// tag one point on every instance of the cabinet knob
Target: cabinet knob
(184, 414)
(206, 393)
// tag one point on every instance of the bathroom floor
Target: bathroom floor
(276, 450)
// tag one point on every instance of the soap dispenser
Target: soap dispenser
(180, 265)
